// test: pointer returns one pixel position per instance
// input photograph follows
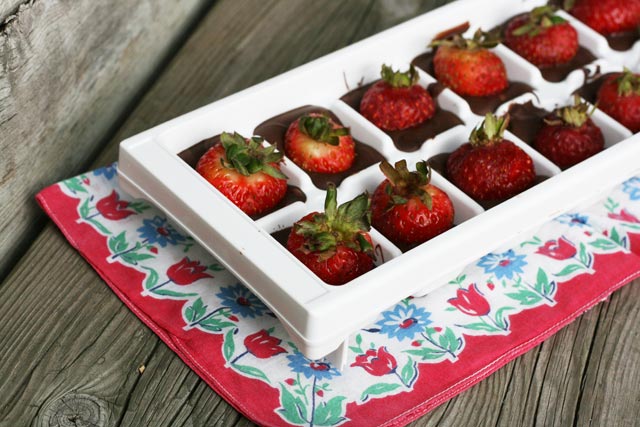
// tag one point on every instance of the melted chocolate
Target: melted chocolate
(411, 139)
(589, 90)
(526, 121)
(559, 72)
(439, 164)
(623, 41)
(192, 154)
(480, 105)
(274, 130)
(282, 236)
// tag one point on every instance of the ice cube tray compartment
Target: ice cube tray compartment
(320, 317)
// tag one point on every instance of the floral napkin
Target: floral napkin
(416, 355)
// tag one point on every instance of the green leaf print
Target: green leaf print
(378, 389)
(152, 279)
(84, 209)
(293, 409)
(229, 346)
(195, 311)
(571, 268)
(118, 243)
(168, 293)
(525, 297)
(329, 413)
(252, 372)
(98, 225)
(408, 372)
(75, 185)
(215, 324)
(604, 244)
(426, 353)
(584, 256)
(481, 327)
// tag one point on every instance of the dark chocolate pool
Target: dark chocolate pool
(275, 128)
(411, 139)
(557, 73)
(480, 105)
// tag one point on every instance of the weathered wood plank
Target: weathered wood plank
(97, 350)
(68, 73)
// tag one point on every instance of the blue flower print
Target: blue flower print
(632, 188)
(108, 171)
(503, 265)
(241, 301)
(573, 220)
(158, 230)
(404, 321)
(309, 368)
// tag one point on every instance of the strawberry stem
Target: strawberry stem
(539, 18)
(628, 83)
(574, 115)
(320, 128)
(338, 225)
(399, 79)
(491, 130)
(404, 184)
(249, 156)
(480, 40)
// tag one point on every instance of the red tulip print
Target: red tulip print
(262, 345)
(560, 249)
(186, 272)
(471, 302)
(377, 362)
(111, 207)
(624, 215)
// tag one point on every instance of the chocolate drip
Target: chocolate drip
(275, 128)
(526, 121)
(409, 140)
(480, 105)
(589, 90)
(559, 72)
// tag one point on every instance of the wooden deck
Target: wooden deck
(75, 79)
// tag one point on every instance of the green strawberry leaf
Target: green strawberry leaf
(228, 347)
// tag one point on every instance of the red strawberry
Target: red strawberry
(335, 245)
(397, 102)
(569, 136)
(606, 16)
(468, 67)
(490, 167)
(406, 208)
(244, 171)
(541, 37)
(619, 97)
(318, 144)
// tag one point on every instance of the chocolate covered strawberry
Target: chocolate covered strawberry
(606, 16)
(619, 97)
(468, 67)
(489, 167)
(335, 245)
(541, 37)
(407, 208)
(569, 136)
(246, 172)
(397, 101)
(318, 144)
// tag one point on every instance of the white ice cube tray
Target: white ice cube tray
(320, 317)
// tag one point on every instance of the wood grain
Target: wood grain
(68, 73)
(64, 335)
